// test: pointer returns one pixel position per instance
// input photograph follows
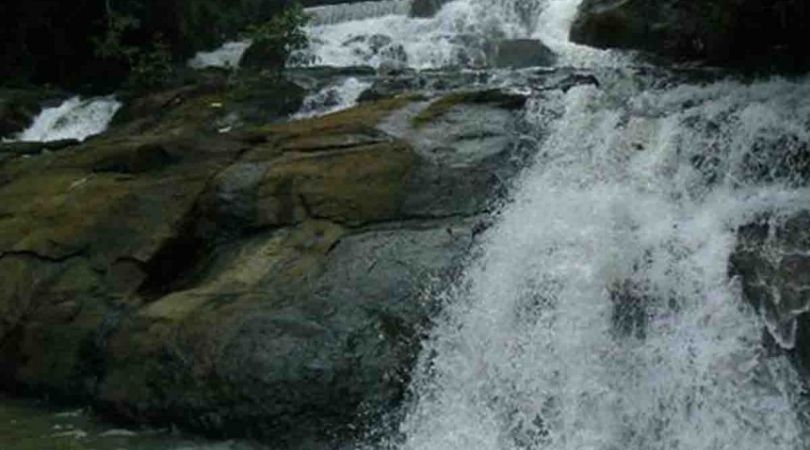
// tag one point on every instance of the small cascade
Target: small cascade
(444, 40)
(345, 12)
(333, 98)
(73, 119)
(459, 35)
(552, 28)
(227, 56)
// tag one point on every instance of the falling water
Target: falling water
(345, 12)
(227, 56)
(599, 313)
(73, 119)
(332, 98)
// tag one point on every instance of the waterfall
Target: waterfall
(345, 12)
(457, 35)
(600, 314)
(415, 42)
(73, 119)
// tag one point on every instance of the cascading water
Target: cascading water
(453, 37)
(73, 119)
(599, 313)
(332, 98)
(345, 12)
(458, 35)
(227, 56)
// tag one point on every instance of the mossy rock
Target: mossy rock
(443, 105)
(267, 281)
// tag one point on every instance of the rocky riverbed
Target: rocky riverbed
(279, 259)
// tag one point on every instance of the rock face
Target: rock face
(521, 53)
(773, 260)
(18, 107)
(272, 282)
(426, 8)
(749, 34)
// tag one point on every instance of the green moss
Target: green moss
(363, 117)
(445, 104)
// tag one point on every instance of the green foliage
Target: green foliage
(149, 65)
(281, 35)
(111, 44)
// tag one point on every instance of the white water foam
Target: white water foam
(332, 98)
(456, 36)
(600, 314)
(553, 27)
(73, 119)
(345, 12)
(376, 33)
(416, 42)
(227, 56)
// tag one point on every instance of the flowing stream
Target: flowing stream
(75, 118)
(598, 313)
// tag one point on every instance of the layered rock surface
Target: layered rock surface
(271, 282)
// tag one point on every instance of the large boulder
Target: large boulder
(270, 281)
(749, 34)
(520, 53)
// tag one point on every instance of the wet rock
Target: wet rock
(380, 48)
(426, 8)
(467, 143)
(258, 57)
(226, 102)
(19, 107)
(521, 53)
(35, 148)
(759, 35)
(391, 67)
(271, 282)
(375, 42)
(772, 261)
(629, 314)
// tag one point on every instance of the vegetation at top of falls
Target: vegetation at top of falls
(91, 46)
(149, 66)
(278, 37)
